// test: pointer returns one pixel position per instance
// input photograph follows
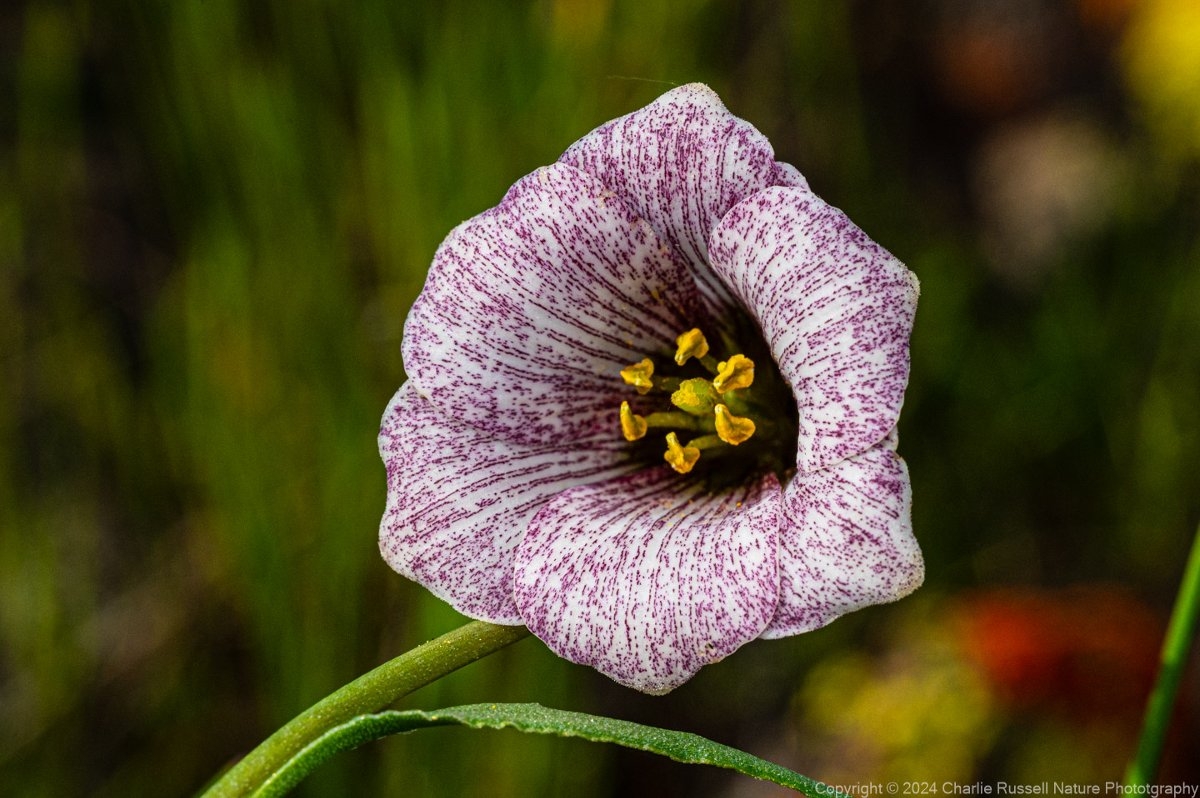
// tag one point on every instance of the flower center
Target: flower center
(726, 410)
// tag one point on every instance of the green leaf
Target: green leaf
(1181, 631)
(680, 746)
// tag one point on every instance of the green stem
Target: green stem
(1180, 632)
(369, 693)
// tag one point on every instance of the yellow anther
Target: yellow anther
(639, 375)
(695, 396)
(733, 374)
(732, 429)
(690, 344)
(682, 458)
(633, 426)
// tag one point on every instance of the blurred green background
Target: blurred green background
(214, 216)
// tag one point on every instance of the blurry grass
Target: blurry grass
(213, 218)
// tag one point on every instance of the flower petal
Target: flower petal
(532, 309)
(459, 501)
(835, 308)
(648, 578)
(847, 541)
(788, 175)
(682, 162)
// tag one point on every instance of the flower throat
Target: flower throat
(730, 413)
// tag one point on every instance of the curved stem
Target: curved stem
(369, 693)
(1180, 632)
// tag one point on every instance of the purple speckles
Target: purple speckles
(648, 579)
(682, 162)
(531, 308)
(836, 310)
(847, 542)
(459, 501)
(511, 493)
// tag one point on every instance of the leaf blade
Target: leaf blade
(533, 718)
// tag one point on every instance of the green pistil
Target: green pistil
(695, 396)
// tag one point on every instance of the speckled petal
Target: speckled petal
(788, 175)
(682, 162)
(836, 310)
(532, 309)
(459, 501)
(648, 578)
(846, 542)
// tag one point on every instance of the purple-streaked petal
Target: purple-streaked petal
(532, 309)
(835, 308)
(788, 175)
(682, 162)
(649, 577)
(459, 501)
(846, 541)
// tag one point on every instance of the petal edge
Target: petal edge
(683, 161)
(836, 310)
(847, 541)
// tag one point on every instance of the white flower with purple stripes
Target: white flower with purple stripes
(651, 404)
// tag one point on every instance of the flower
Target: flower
(666, 291)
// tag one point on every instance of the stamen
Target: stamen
(681, 458)
(690, 344)
(639, 375)
(718, 411)
(633, 426)
(695, 396)
(707, 442)
(733, 429)
(675, 420)
(734, 374)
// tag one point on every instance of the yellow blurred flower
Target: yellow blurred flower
(1161, 55)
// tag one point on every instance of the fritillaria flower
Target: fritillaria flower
(651, 404)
